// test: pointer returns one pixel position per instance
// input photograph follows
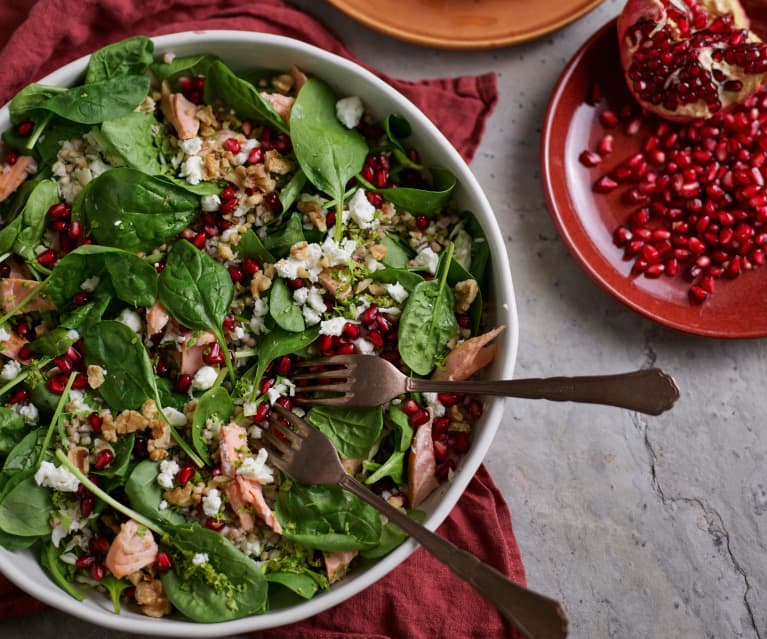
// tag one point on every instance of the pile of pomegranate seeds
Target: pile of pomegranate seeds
(699, 191)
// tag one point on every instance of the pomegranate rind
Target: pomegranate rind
(638, 12)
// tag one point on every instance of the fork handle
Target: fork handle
(648, 391)
(535, 615)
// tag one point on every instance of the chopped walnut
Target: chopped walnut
(108, 430)
(275, 163)
(258, 178)
(129, 421)
(283, 82)
(79, 457)
(208, 122)
(387, 211)
(259, 284)
(149, 410)
(152, 598)
(378, 251)
(161, 441)
(465, 293)
(319, 220)
(300, 250)
(95, 376)
(269, 271)
(377, 289)
(225, 251)
(180, 496)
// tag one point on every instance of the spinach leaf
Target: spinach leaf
(128, 377)
(327, 518)
(57, 131)
(57, 570)
(428, 323)
(39, 394)
(408, 279)
(44, 195)
(123, 449)
(203, 188)
(480, 252)
(392, 536)
(54, 343)
(197, 291)
(16, 542)
(23, 456)
(301, 584)
(396, 127)
(168, 394)
(115, 588)
(426, 202)
(251, 246)
(285, 312)
(128, 57)
(401, 436)
(128, 209)
(292, 190)
(279, 243)
(213, 403)
(145, 494)
(328, 153)
(13, 217)
(353, 431)
(277, 343)
(228, 586)
(398, 254)
(81, 317)
(131, 138)
(12, 430)
(240, 96)
(26, 509)
(393, 467)
(30, 99)
(98, 101)
(192, 65)
(457, 273)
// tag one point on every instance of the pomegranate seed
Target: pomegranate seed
(272, 200)
(330, 220)
(256, 156)
(80, 382)
(228, 323)
(11, 157)
(75, 230)
(183, 383)
(185, 474)
(377, 339)
(25, 128)
(95, 421)
(351, 331)
(368, 316)
(422, 222)
(450, 399)
(60, 226)
(163, 561)
(103, 459)
(214, 524)
(376, 199)
(85, 562)
(25, 352)
(475, 409)
(589, 158)
(57, 383)
(47, 258)
(605, 185)
(440, 426)
(64, 364)
(232, 145)
(633, 127)
(87, 502)
(608, 119)
(440, 450)
(460, 442)
(463, 319)
(80, 298)
(697, 295)
(654, 270)
(21, 329)
(419, 418)
(235, 272)
(5, 270)
(250, 266)
(411, 407)
(345, 349)
(228, 193)
(18, 396)
(606, 145)
(262, 412)
(284, 366)
(266, 384)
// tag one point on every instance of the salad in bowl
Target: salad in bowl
(175, 235)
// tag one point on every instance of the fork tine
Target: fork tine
(341, 400)
(341, 387)
(282, 447)
(295, 421)
(340, 373)
(337, 360)
(288, 434)
(276, 458)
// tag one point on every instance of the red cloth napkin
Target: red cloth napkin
(421, 599)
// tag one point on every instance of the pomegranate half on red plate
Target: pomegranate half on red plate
(657, 212)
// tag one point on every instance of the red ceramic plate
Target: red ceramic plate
(586, 220)
(465, 24)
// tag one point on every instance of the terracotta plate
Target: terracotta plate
(586, 220)
(465, 24)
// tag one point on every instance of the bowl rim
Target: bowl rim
(94, 610)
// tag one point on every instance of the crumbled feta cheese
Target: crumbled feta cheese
(428, 258)
(397, 292)
(66, 521)
(200, 558)
(10, 370)
(192, 146)
(311, 317)
(249, 408)
(30, 413)
(390, 310)
(191, 169)
(364, 346)
(333, 326)
(168, 470)
(56, 477)
(239, 333)
(349, 111)
(372, 264)
(256, 468)
(338, 254)
(362, 211)
(300, 295)
(245, 149)
(73, 334)
(90, 284)
(204, 378)
(4, 335)
(258, 325)
(315, 301)
(131, 319)
(211, 203)
(255, 432)
(163, 505)
(283, 387)
(437, 408)
(175, 417)
(288, 267)
(211, 503)
(260, 310)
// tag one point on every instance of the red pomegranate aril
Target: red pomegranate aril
(60, 226)
(163, 562)
(57, 383)
(185, 474)
(232, 145)
(440, 451)
(86, 504)
(285, 402)
(262, 412)
(228, 193)
(97, 572)
(64, 364)
(410, 407)
(368, 315)
(633, 248)
(606, 145)
(622, 236)
(228, 324)
(589, 158)
(215, 524)
(640, 266)
(460, 441)
(696, 246)
(80, 298)
(671, 267)
(266, 384)
(450, 399)
(256, 156)
(345, 349)
(183, 383)
(440, 426)
(25, 352)
(421, 222)
(377, 339)
(95, 421)
(697, 295)
(80, 382)
(235, 272)
(351, 331)
(272, 200)
(633, 127)
(212, 355)
(75, 230)
(103, 459)
(47, 258)
(608, 119)
(228, 206)
(250, 266)
(650, 254)
(18, 396)
(325, 344)
(85, 562)
(419, 418)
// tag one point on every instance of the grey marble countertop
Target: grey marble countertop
(643, 527)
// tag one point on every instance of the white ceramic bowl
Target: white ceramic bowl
(243, 50)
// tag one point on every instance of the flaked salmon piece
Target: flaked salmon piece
(19, 270)
(10, 347)
(13, 290)
(181, 113)
(469, 357)
(421, 466)
(191, 353)
(12, 175)
(281, 103)
(156, 319)
(337, 563)
(244, 491)
(299, 77)
(132, 549)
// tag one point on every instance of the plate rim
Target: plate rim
(474, 44)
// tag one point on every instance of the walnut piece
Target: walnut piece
(152, 598)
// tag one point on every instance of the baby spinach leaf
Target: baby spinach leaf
(480, 251)
(228, 586)
(145, 494)
(277, 343)
(50, 560)
(191, 65)
(428, 323)
(26, 509)
(240, 96)
(426, 202)
(408, 279)
(353, 431)
(397, 127)
(57, 131)
(393, 467)
(123, 449)
(327, 518)
(279, 242)
(12, 430)
(301, 584)
(115, 588)
(292, 189)
(16, 542)
(23, 456)
(251, 246)
(43, 196)
(134, 280)
(30, 99)
(328, 153)
(398, 254)
(128, 376)
(168, 394)
(202, 188)
(54, 343)
(213, 403)
(81, 317)
(285, 312)
(128, 57)
(128, 209)
(392, 536)
(98, 101)
(12, 215)
(401, 437)
(131, 138)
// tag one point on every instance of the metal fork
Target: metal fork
(365, 380)
(309, 457)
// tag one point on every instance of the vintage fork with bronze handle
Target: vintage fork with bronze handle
(309, 457)
(365, 380)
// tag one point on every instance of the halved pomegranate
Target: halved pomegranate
(689, 59)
